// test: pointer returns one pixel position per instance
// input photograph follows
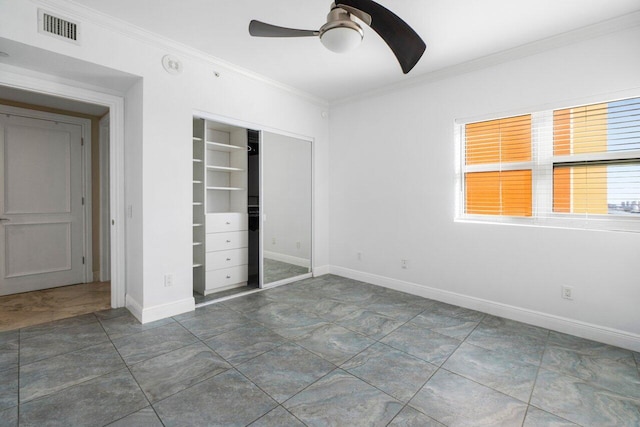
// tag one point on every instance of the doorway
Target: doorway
(55, 231)
(43, 202)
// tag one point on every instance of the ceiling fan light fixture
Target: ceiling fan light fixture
(340, 34)
(341, 39)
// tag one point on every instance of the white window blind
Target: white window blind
(576, 167)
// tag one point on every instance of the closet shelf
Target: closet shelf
(224, 169)
(197, 243)
(195, 138)
(225, 188)
(197, 182)
(223, 147)
(197, 265)
(198, 225)
(197, 160)
(197, 203)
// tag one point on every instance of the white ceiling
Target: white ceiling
(455, 31)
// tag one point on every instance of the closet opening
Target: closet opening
(252, 209)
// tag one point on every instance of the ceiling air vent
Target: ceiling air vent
(57, 27)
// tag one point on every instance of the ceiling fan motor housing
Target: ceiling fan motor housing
(340, 34)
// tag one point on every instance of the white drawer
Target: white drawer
(227, 277)
(223, 222)
(225, 259)
(226, 241)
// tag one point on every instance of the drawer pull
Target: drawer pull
(228, 277)
(228, 222)
(228, 241)
(228, 259)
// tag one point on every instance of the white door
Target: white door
(41, 205)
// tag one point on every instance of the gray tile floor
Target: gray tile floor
(321, 352)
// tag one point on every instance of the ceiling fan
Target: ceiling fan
(341, 33)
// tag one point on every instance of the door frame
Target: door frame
(85, 134)
(105, 258)
(116, 161)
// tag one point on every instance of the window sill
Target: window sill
(568, 222)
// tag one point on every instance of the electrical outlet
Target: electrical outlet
(567, 292)
(168, 280)
(359, 255)
(404, 264)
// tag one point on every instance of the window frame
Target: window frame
(542, 166)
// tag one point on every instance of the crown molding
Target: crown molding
(81, 13)
(599, 29)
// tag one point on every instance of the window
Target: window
(578, 165)
(498, 167)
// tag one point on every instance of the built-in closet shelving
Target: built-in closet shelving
(198, 204)
(220, 206)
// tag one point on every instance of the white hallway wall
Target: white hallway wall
(158, 140)
(392, 198)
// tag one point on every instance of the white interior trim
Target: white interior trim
(84, 14)
(105, 235)
(578, 35)
(261, 218)
(289, 259)
(162, 311)
(544, 320)
(321, 271)
(116, 107)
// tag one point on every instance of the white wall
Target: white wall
(133, 192)
(287, 198)
(158, 137)
(392, 198)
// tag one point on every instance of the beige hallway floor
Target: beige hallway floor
(33, 308)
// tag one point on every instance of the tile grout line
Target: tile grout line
(20, 403)
(378, 341)
(132, 376)
(294, 341)
(438, 368)
(529, 404)
(259, 388)
(199, 341)
(202, 341)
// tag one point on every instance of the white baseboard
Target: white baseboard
(289, 259)
(134, 307)
(544, 320)
(322, 270)
(150, 314)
